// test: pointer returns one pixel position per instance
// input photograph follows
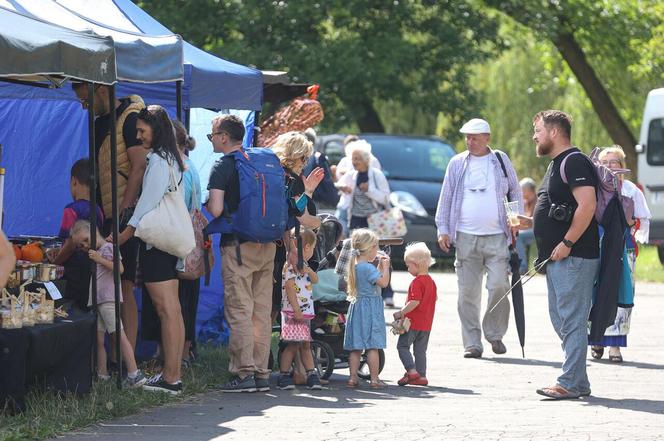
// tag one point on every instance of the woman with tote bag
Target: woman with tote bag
(159, 208)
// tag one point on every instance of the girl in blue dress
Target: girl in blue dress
(365, 326)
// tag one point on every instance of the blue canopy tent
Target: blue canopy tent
(210, 83)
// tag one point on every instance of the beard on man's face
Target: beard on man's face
(544, 147)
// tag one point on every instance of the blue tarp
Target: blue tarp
(209, 82)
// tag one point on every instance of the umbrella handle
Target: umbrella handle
(529, 274)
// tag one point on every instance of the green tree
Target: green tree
(366, 54)
(600, 40)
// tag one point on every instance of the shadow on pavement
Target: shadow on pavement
(524, 361)
(648, 406)
(635, 364)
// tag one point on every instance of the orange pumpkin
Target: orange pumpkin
(32, 252)
(17, 252)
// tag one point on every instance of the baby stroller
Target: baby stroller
(328, 326)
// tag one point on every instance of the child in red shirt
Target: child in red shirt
(419, 308)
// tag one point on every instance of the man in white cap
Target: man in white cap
(471, 216)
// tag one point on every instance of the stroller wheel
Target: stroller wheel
(323, 358)
(363, 371)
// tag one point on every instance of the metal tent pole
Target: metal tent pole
(93, 210)
(115, 228)
(178, 99)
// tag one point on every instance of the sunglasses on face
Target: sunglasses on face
(211, 135)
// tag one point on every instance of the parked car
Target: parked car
(415, 167)
(651, 165)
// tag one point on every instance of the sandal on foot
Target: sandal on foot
(378, 384)
(614, 355)
(597, 352)
(351, 384)
(557, 392)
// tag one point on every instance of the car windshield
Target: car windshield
(415, 159)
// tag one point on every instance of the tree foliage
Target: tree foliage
(612, 44)
(416, 54)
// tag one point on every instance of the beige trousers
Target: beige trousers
(476, 255)
(247, 306)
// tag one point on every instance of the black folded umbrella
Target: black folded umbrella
(517, 298)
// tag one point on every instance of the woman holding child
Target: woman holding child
(158, 267)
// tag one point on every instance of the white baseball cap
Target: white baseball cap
(476, 126)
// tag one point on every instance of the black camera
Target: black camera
(561, 212)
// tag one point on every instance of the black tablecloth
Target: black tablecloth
(57, 356)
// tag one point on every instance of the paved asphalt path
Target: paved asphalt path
(492, 398)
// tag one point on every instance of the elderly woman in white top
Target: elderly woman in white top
(616, 335)
(345, 166)
(367, 188)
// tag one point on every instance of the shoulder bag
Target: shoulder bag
(168, 227)
(199, 261)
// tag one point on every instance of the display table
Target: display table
(57, 356)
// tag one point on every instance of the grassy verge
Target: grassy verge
(48, 414)
(648, 266)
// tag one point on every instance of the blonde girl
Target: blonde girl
(365, 326)
(297, 310)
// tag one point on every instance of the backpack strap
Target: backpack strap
(498, 154)
(563, 175)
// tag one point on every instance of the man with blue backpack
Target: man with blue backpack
(248, 200)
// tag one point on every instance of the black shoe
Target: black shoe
(237, 384)
(313, 382)
(472, 353)
(262, 384)
(498, 347)
(158, 384)
(285, 382)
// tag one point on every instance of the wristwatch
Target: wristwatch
(568, 243)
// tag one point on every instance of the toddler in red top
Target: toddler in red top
(419, 308)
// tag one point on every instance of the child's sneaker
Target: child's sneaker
(103, 377)
(419, 381)
(313, 382)
(139, 380)
(285, 382)
(408, 379)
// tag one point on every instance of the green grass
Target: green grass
(49, 414)
(648, 266)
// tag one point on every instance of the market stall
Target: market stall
(34, 344)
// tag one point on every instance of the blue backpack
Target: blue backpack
(263, 210)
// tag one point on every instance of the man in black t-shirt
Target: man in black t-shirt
(567, 233)
(247, 286)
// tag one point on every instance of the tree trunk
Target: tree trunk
(370, 121)
(600, 99)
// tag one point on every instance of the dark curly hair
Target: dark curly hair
(163, 135)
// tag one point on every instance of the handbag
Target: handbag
(168, 226)
(199, 261)
(388, 223)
